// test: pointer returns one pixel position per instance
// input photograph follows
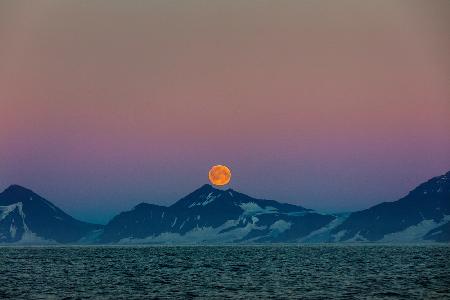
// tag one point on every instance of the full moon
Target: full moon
(219, 175)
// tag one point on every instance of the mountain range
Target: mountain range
(210, 215)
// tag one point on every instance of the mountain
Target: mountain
(210, 215)
(25, 217)
(422, 215)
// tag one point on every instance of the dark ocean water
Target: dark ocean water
(217, 272)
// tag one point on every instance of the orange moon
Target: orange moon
(219, 175)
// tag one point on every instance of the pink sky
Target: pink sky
(331, 105)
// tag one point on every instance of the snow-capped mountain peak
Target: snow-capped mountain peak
(210, 214)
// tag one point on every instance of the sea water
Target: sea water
(217, 272)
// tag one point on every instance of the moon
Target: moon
(219, 175)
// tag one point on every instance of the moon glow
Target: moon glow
(219, 175)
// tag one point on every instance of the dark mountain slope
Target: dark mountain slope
(429, 201)
(27, 217)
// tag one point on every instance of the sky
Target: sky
(332, 105)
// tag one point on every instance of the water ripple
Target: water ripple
(217, 272)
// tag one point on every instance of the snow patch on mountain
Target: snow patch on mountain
(12, 230)
(338, 236)
(199, 235)
(174, 222)
(6, 210)
(414, 233)
(251, 208)
(280, 226)
(357, 238)
(210, 198)
(91, 237)
(324, 233)
(30, 238)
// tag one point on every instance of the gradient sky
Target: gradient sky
(333, 105)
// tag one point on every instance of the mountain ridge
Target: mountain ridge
(211, 215)
(429, 201)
